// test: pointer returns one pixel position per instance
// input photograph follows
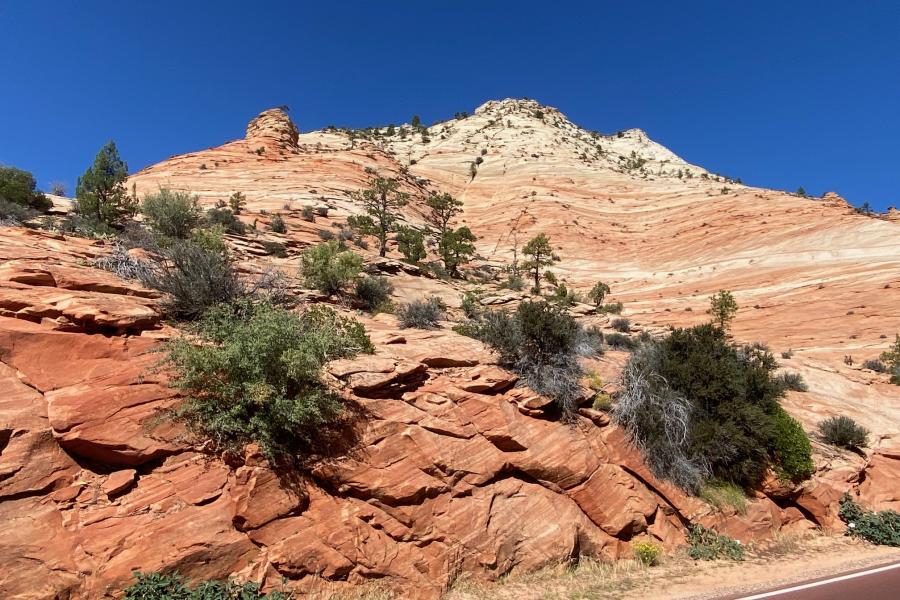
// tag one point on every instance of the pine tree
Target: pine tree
(456, 248)
(237, 202)
(411, 244)
(442, 209)
(101, 192)
(381, 201)
(723, 308)
(541, 255)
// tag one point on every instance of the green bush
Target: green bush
(422, 314)
(843, 432)
(620, 341)
(875, 365)
(227, 219)
(255, 375)
(792, 381)
(308, 213)
(882, 528)
(791, 448)
(699, 408)
(613, 308)
(542, 343)
(891, 358)
(277, 225)
(276, 249)
(329, 267)
(598, 293)
(374, 292)
(706, 544)
(471, 305)
(171, 214)
(163, 586)
(723, 495)
(411, 244)
(647, 552)
(19, 187)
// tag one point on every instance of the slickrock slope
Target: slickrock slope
(452, 467)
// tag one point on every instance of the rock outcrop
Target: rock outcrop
(273, 126)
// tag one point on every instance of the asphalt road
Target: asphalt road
(876, 583)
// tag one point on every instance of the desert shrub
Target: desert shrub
(373, 292)
(123, 264)
(620, 341)
(647, 552)
(891, 358)
(277, 225)
(542, 343)
(564, 296)
(194, 279)
(276, 249)
(792, 381)
(411, 244)
(598, 293)
(322, 211)
(79, 225)
(326, 235)
(787, 354)
(421, 314)
(724, 495)
(171, 214)
(622, 325)
(881, 528)
(515, 283)
(699, 408)
(211, 239)
(329, 267)
(843, 432)
(471, 305)
(19, 187)
(227, 219)
(345, 235)
(14, 213)
(255, 375)
(613, 308)
(307, 213)
(791, 448)
(706, 544)
(163, 586)
(875, 365)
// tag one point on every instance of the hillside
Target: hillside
(453, 469)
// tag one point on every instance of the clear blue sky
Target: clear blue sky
(780, 94)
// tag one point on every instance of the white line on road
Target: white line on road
(807, 586)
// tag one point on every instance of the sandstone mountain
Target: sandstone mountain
(455, 469)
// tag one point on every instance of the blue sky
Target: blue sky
(780, 94)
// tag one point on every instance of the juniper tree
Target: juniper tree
(381, 200)
(237, 202)
(541, 255)
(456, 248)
(411, 244)
(723, 308)
(101, 192)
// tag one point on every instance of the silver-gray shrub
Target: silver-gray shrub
(657, 420)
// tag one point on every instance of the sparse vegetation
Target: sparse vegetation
(724, 495)
(225, 218)
(647, 552)
(844, 432)
(875, 365)
(621, 325)
(277, 224)
(706, 544)
(792, 381)
(882, 528)
(620, 341)
(329, 267)
(169, 586)
(237, 202)
(613, 308)
(598, 293)
(254, 376)
(891, 357)
(540, 255)
(276, 249)
(421, 314)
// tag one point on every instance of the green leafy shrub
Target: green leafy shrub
(277, 225)
(227, 219)
(792, 381)
(882, 528)
(163, 586)
(19, 187)
(542, 343)
(647, 552)
(276, 249)
(699, 408)
(613, 308)
(254, 376)
(598, 293)
(843, 432)
(374, 292)
(422, 314)
(471, 305)
(329, 267)
(411, 244)
(171, 214)
(791, 448)
(706, 544)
